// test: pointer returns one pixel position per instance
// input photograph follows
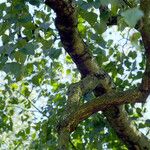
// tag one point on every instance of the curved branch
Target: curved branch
(135, 139)
(100, 104)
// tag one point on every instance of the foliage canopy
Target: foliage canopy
(40, 44)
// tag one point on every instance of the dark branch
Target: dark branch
(145, 32)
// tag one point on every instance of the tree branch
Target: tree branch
(66, 23)
(99, 104)
(145, 32)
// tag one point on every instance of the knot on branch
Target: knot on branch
(106, 83)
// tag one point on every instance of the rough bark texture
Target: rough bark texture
(100, 103)
(145, 32)
(66, 23)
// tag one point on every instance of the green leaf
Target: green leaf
(127, 63)
(141, 125)
(54, 53)
(99, 40)
(90, 17)
(29, 49)
(2, 6)
(29, 69)
(100, 27)
(147, 122)
(133, 54)
(14, 68)
(134, 38)
(101, 57)
(110, 67)
(37, 79)
(132, 15)
(20, 57)
(29, 25)
(28, 33)
(21, 43)
(21, 134)
(2, 105)
(7, 49)
(35, 2)
(109, 43)
(68, 59)
(138, 110)
(14, 101)
(46, 44)
(27, 130)
(25, 18)
(68, 71)
(3, 27)
(138, 76)
(5, 39)
(25, 91)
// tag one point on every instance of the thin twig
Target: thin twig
(128, 3)
(72, 144)
(33, 104)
